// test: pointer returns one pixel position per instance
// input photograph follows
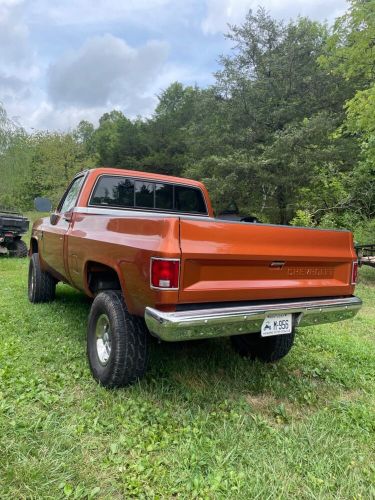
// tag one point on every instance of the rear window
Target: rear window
(144, 194)
(124, 192)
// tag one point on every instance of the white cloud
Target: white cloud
(47, 117)
(221, 12)
(14, 34)
(43, 85)
(17, 58)
(106, 71)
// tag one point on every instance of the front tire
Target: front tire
(17, 248)
(117, 342)
(41, 285)
(266, 349)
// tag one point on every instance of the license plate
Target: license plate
(277, 324)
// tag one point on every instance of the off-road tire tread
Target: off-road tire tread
(130, 342)
(17, 248)
(45, 284)
(266, 349)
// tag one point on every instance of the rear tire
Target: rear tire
(266, 349)
(41, 285)
(17, 248)
(117, 342)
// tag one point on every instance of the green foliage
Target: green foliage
(350, 48)
(361, 113)
(361, 122)
(303, 218)
(280, 110)
(40, 164)
(364, 231)
(350, 52)
(229, 181)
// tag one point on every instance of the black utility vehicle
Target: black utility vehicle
(12, 226)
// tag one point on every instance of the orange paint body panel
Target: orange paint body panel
(126, 245)
(221, 261)
(256, 262)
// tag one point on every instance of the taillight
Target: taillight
(165, 273)
(354, 272)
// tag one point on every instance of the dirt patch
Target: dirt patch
(261, 402)
(350, 395)
(276, 408)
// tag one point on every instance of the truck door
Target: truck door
(54, 237)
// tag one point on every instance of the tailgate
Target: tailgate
(229, 261)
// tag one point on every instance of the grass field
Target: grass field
(204, 423)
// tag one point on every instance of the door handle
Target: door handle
(67, 216)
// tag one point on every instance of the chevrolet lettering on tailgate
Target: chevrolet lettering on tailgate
(311, 272)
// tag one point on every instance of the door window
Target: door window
(71, 195)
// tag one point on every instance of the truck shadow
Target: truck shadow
(209, 371)
(206, 373)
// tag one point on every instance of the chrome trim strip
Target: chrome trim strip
(209, 323)
(121, 212)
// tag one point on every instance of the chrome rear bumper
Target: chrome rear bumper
(226, 321)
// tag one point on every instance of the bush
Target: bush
(303, 218)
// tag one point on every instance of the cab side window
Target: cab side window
(114, 192)
(69, 200)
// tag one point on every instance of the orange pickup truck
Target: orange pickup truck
(149, 251)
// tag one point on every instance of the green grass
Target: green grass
(203, 423)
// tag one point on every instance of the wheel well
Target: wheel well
(33, 245)
(101, 277)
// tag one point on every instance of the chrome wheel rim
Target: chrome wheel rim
(103, 339)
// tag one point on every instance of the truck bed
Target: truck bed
(221, 261)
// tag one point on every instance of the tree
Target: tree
(40, 164)
(350, 52)
(119, 141)
(56, 158)
(287, 127)
(168, 149)
(279, 108)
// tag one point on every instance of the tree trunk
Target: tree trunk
(282, 205)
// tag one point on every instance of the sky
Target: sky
(71, 60)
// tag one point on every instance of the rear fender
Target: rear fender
(113, 267)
